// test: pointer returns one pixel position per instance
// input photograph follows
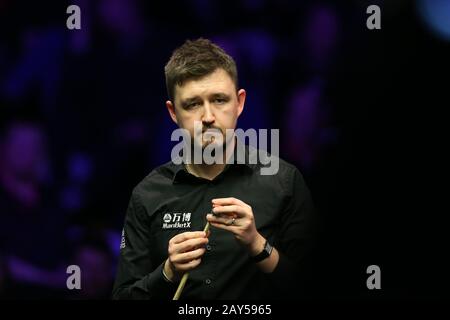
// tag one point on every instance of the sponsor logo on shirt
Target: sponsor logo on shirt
(122, 240)
(176, 220)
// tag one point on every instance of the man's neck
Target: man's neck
(210, 171)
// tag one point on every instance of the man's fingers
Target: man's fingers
(230, 210)
(188, 245)
(223, 220)
(188, 256)
(228, 201)
(232, 229)
(190, 265)
(186, 236)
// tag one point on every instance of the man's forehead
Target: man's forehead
(217, 82)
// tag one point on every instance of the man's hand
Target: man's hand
(236, 216)
(185, 252)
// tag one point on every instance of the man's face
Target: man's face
(212, 101)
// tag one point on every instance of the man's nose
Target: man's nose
(208, 115)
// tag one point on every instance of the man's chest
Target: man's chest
(185, 210)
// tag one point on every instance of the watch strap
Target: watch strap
(263, 254)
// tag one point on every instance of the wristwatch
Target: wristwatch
(263, 254)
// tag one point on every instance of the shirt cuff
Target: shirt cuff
(165, 275)
(158, 285)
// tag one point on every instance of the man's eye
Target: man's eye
(220, 100)
(192, 105)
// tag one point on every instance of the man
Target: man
(260, 224)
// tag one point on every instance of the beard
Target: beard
(211, 136)
(207, 143)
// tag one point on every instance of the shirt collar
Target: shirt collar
(180, 171)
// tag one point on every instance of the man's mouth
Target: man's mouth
(209, 135)
(208, 130)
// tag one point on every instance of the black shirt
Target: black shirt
(170, 201)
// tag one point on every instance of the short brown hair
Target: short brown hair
(194, 60)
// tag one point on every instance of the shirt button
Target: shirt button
(208, 247)
(208, 281)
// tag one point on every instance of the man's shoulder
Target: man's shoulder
(159, 178)
(271, 165)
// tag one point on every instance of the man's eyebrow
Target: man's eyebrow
(220, 95)
(188, 101)
(217, 95)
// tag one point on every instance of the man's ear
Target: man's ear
(241, 94)
(171, 108)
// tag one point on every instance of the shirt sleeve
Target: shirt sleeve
(294, 239)
(138, 277)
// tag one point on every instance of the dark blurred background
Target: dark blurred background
(83, 120)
